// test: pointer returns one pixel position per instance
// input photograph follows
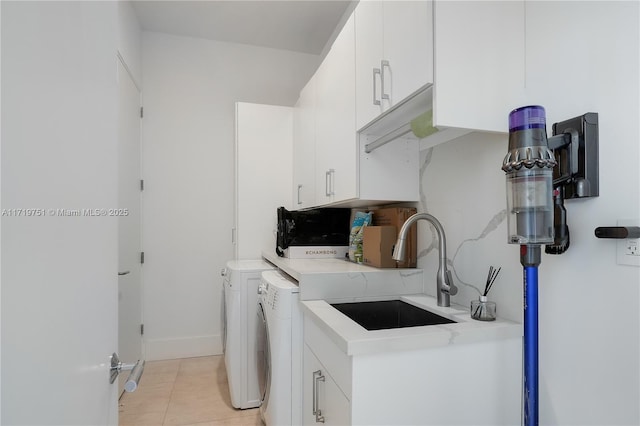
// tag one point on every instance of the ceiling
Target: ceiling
(299, 25)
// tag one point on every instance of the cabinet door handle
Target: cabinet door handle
(376, 71)
(332, 182)
(299, 188)
(317, 377)
(326, 183)
(329, 182)
(383, 63)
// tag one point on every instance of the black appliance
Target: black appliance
(314, 227)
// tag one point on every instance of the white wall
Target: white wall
(191, 86)
(589, 306)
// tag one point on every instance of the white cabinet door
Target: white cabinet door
(394, 53)
(334, 407)
(408, 46)
(304, 143)
(369, 42)
(479, 63)
(336, 148)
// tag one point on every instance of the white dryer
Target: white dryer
(279, 350)
(240, 287)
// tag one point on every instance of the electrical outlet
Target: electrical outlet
(628, 249)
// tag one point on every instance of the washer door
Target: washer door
(263, 357)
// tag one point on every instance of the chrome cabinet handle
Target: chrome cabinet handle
(299, 188)
(327, 178)
(123, 273)
(330, 182)
(314, 394)
(333, 181)
(317, 377)
(383, 63)
(376, 71)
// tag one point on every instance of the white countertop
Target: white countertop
(299, 267)
(325, 281)
(354, 339)
(340, 279)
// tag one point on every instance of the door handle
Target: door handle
(123, 273)
(134, 377)
(299, 188)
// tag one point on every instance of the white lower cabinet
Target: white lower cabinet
(457, 383)
(324, 402)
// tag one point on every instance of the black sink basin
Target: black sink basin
(386, 314)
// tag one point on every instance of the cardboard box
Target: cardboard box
(377, 246)
(396, 216)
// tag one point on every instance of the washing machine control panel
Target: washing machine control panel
(271, 296)
(268, 294)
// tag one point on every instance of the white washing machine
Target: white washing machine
(279, 350)
(240, 287)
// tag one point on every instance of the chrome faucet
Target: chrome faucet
(444, 281)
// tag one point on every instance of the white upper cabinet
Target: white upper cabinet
(408, 46)
(304, 136)
(479, 63)
(336, 147)
(394, 54)
(331, 166)
(368, 60)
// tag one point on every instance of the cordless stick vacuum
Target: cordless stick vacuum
(529, 170)
(541, 173)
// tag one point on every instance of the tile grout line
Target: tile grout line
(173, 386)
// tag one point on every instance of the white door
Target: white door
(59, 243)
(128, 216)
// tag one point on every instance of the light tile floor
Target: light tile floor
(184, 392)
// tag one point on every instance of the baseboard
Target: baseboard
(183, 347)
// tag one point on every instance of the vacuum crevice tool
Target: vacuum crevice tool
(561, 238)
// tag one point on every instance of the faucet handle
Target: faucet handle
(453, 290)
